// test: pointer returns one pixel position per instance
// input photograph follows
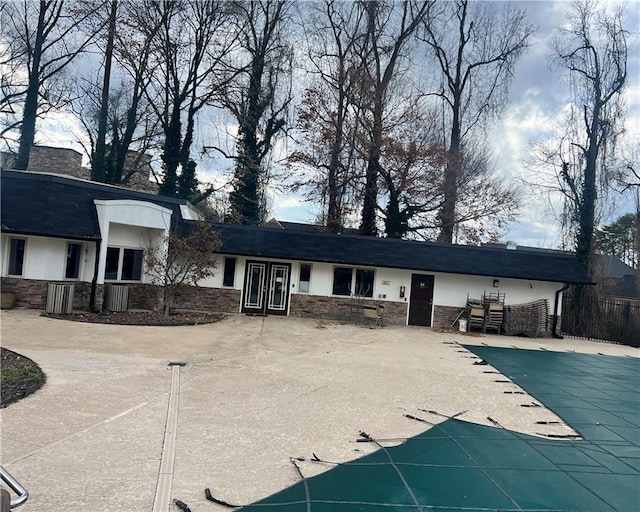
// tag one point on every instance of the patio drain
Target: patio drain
(162, 497)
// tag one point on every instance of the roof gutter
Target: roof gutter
(94, 281)
(554, 334)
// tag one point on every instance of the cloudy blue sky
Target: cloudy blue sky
(537, 97)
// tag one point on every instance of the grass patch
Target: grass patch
(19, 377)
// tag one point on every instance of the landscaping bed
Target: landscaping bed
(20, 377)
(142, 318)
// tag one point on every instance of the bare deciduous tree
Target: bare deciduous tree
(98, 157)
(188, 63)
(258, 100)
(328, 110)
(42, 41)
(476, 47)
(389, 29)
(116, 110)
(178, 263)
(591, 49)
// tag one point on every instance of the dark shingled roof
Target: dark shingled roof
(404, 254)
(62, 207)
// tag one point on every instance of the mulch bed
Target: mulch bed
(20, 377)
(141, 318)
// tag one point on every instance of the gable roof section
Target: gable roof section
(56, 206)
(403, 254)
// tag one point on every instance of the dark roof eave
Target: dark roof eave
(416, 268)
(63, 236)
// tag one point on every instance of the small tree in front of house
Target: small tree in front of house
(178, 263)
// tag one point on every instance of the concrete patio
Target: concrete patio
(254, 392)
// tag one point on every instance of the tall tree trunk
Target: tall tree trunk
(30, 112)
(395, 221)
(171, 156)
(447, 214)
(99, 171)
(245, 198)
(584, 246)
(334, 213)
(370, 202)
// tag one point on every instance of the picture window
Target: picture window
(346, 282)
(123, 264)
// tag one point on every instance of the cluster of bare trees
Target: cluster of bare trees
(392, 123)
(162, 66)
(384, 104)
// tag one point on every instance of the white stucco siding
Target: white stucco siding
(452, 289)
(131, 236)
(46, 258)
(388, 284)
(321, 279)
(215, 281)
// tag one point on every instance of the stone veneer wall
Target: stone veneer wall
(338, 308)
(148, 296)
(443, 316)
(32, 293)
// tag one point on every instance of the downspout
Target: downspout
(554, 334)
(94, 281)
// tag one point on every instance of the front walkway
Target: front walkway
(254, 392)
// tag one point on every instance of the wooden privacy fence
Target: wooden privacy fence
(610, 319)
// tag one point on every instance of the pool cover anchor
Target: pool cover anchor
(444, 415)
(411, 417)
(496, 423)
(181, 505)
(559, 436)
(210, 497)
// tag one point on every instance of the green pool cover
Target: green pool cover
(460, 466)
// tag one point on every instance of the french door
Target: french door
(266, 288)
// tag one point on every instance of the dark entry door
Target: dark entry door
(421, 300)
(266, 288)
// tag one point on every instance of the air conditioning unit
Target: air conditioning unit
(117, 298)
(60, 298)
